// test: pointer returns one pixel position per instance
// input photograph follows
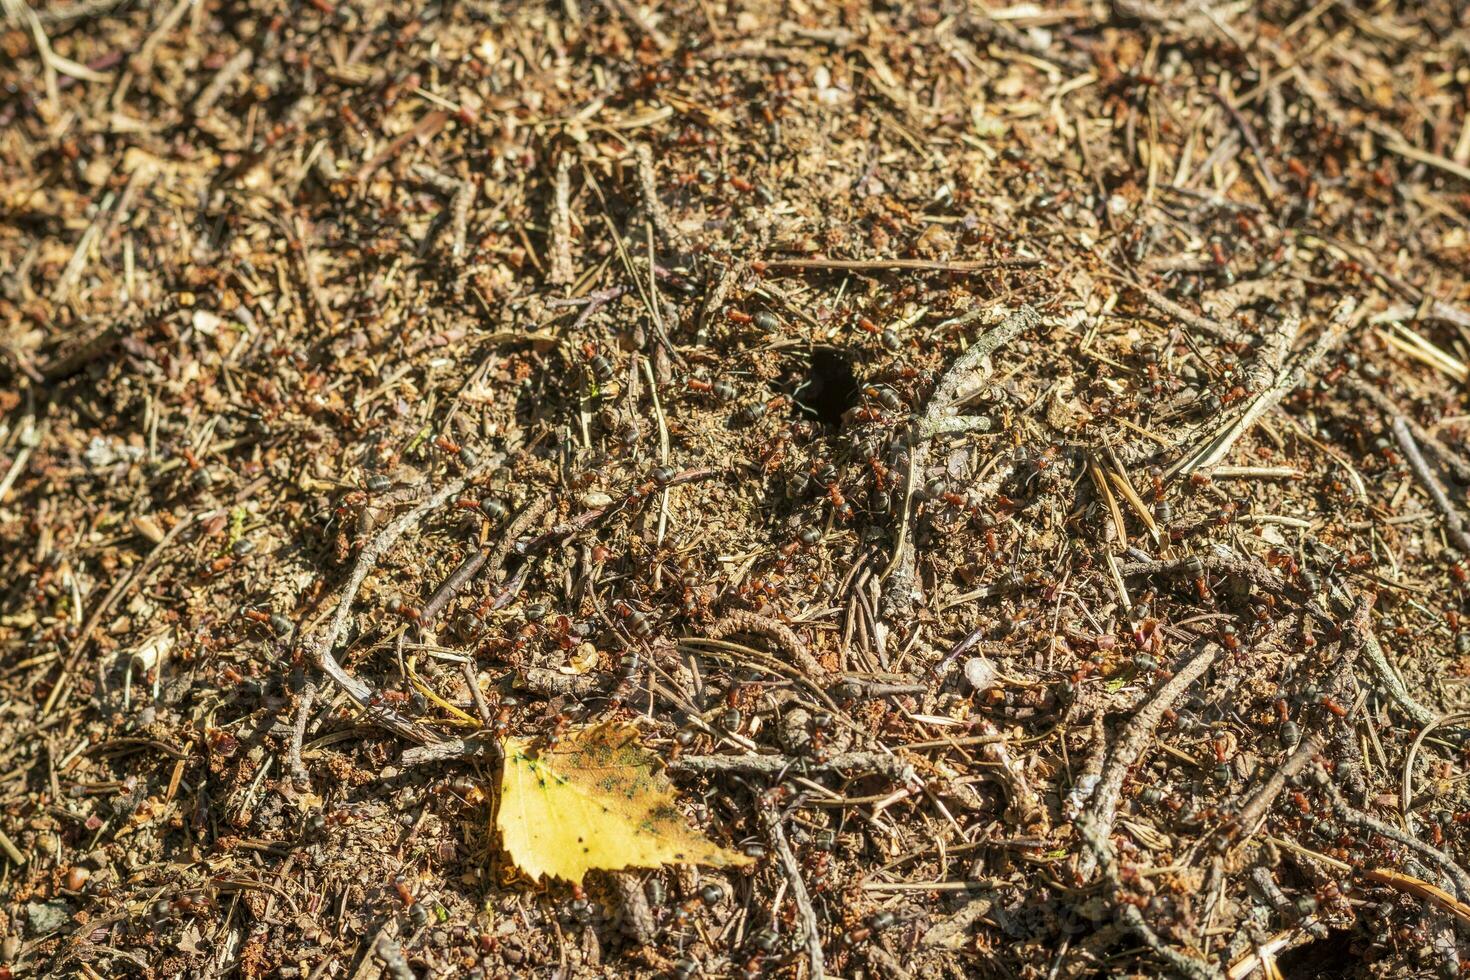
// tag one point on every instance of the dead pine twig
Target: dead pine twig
(562, 272)
(850, 763)
(1133, 741)
(1447, 457)
(960, 381)
(1253, 812)
(813, 939)
(319, 648)
(1214, 449)
(900, 265)
(743, 621)
(1221, 332)
(1132, 919)
(1454, 523)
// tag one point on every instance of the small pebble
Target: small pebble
(980, 674)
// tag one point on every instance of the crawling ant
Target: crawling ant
(825, 475)
(635, 619)
(558, 731)
(659, 478)
(598, 363)
(1195, 569)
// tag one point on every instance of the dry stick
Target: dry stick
(1249, 568)
(1133, 741)
(1262, 159)
(770, 765)
(453, 748)
(562, 273)
(461, 577)
(451, 586)
(1254, 810)
(798, 891)
(658, 215)
(1454, 523)
(907, 265)
(1132, 918)
(1438, 858)
(320, 649)
(1275, 349)
(222, 80)
(1218, 446)
(1255, 571)
(744, 621)
(963, 376)
(1204, 324)
(1426, 439)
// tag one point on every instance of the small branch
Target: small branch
(1273, 189)
(454, 748)
(319, 650)
(1352, 814)
(450, 587)
(743, 621)
(907, 265)
(1217, 447)
(848, 763)
(967, 372)
(1216, 329)
(1132, 918)
(798, 891)
(1254, 810)
(1133, 740)
(1454, 523)
(560, 233)
(1452, 460)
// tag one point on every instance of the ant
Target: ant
(598, 363)
(826, 476)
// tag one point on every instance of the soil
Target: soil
(1011, 466)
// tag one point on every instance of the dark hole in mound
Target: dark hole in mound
(1329, 957)
(830, 388)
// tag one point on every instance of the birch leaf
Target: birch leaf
(595, 801)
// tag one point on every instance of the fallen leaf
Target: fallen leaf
(595, 800)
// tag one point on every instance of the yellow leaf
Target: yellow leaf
(594, 801)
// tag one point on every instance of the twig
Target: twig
(1454, 523)
(1406, 795)
(744, 621)
(1254, 810)
(907, 265)
(320, 649)
(1204, 324)
(450, 587)
(561, 272)
(1426, 439)
(1023, 805)
(1247, 567)
(1133, 740)
(799, 894)
(967, 372)
(658, 215)
(453, 748)
(771, 765)
(1217, 447)
(11, 851)
(1352, 814)
(222, 80)
(1132, 918)
(294, 762)
(1273, 189)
